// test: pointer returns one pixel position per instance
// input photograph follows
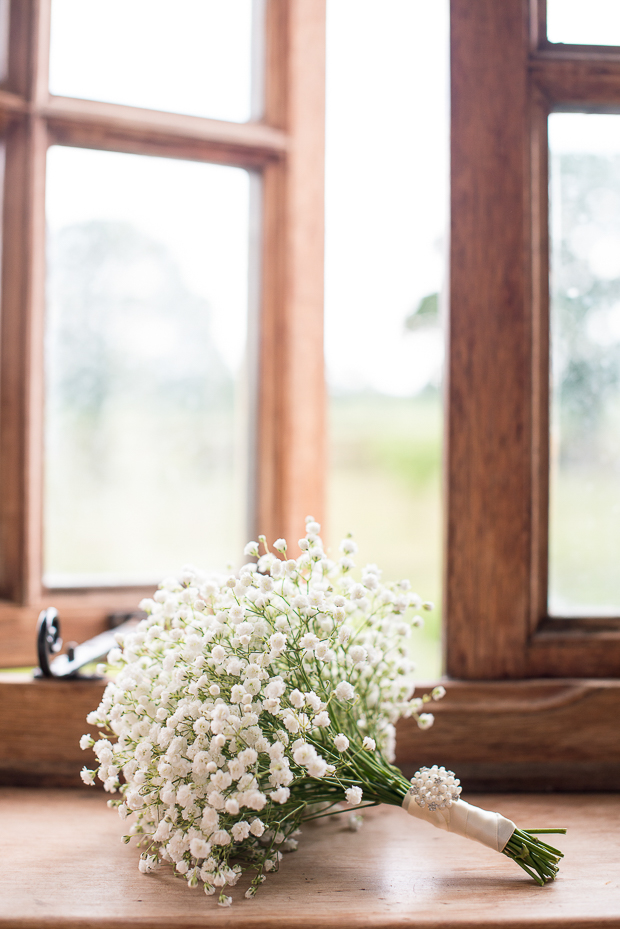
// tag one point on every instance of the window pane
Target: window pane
(145, 342)
(584, 554)
(583, 22)
(386, 208)
(190, 56)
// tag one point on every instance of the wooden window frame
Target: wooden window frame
(506, 79)
(286, 149)
(532, 701)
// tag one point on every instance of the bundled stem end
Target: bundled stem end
(537, 858)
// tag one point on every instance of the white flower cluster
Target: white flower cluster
(242, 702)
(435, 788)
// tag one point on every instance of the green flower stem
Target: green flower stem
(332, 812)
(537, 858)
(384, 783)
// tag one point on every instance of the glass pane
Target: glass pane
(190, 56)
(145, 467)
(386, 209)
(583, 22)
(584, 552)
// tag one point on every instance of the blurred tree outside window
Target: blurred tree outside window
(585, 378)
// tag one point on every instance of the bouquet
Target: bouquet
(243, 706)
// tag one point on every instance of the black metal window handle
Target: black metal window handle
(49, 643)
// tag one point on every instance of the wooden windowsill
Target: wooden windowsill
(532, 735)
(64, 866)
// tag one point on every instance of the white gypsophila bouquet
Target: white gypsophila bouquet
(245, 705)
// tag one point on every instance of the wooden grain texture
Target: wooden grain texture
(524, 735)
(12, 364)
(40, 726)
(578, 81)
(489, 375)
(40, 39)
(498, 374)
(23, 282)
(92, 124)
(521, 735)
(394, 872)
(23, 21)
(589, 54)
(539, 155)
(574, 649)
(538, 24)
(291, 404)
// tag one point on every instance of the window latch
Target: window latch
(68, 665)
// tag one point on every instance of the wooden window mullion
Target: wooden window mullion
(489, 373)
(291, 419)
(23, 285)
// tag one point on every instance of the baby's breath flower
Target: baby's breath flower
(115, 656)
(345, 691)
(317, 767)
(313, 701)
(255, 694)
(355, 822)
(322, 650)
(237, 614)
(292, 723)
(354, 795)
(257, 827)
(297, 698)
(348, 546)
(147, 863)
(240, 831)
(357, 653)
(199, 848)
(304, 753)
(277, 641)
(345, 634)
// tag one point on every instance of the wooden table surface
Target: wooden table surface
(63, 864)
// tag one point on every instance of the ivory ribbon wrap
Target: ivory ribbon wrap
(490, 829)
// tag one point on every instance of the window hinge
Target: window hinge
(68, 665)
